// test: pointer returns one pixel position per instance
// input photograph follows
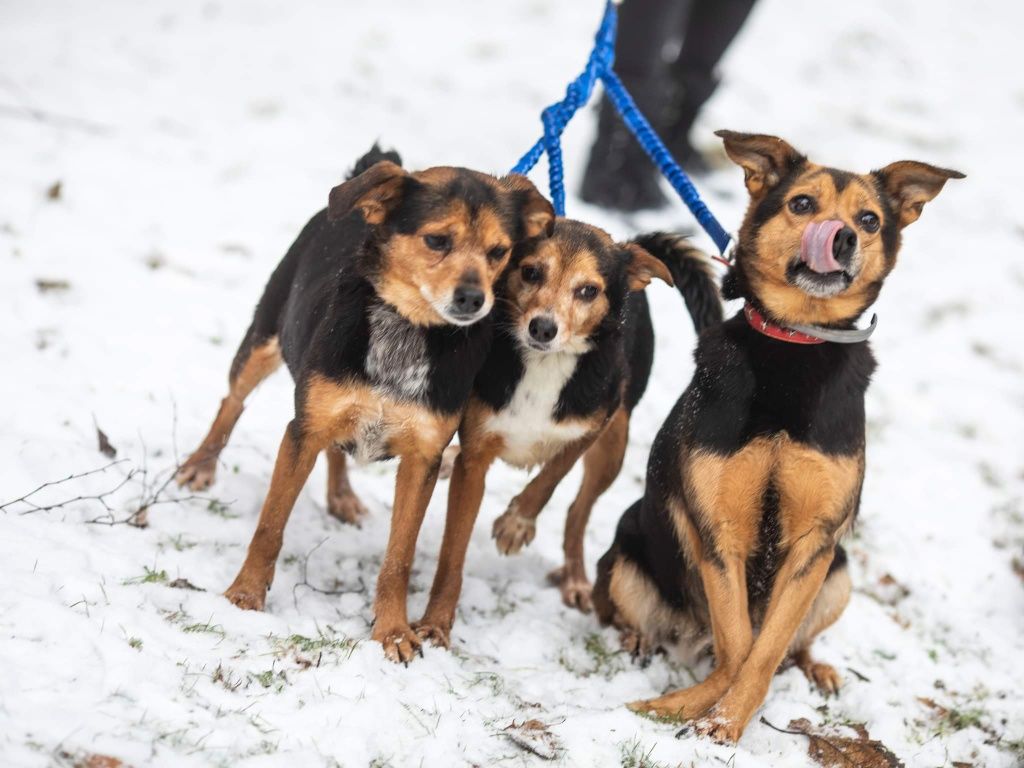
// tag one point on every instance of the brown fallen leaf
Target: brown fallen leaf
(52, 285)
(940, 710)
(106, 448)
(53, 192)
(534, 737)
(85, 760)
(184, 584)
(831, 749)
(887, 590)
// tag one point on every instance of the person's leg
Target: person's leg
(709, 30)
(619, 175)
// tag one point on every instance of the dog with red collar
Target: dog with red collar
(756, 474)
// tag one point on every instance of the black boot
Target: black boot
(619, 174)
(692, 89)
(710, 28)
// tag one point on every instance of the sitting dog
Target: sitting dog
(381, 311)
(571, 356)
(756, 474)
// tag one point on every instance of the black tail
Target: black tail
(691, 271)
(371, 158)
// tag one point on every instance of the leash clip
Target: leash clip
(728, 257)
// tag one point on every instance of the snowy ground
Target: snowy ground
(191, 140)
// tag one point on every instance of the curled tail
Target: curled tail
(371, 158)
(691, 271)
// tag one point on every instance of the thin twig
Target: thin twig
(54, 120)
(304, 570)
(25, 498)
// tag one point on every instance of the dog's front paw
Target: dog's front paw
(347, 508)
(512, 531)
(249, 589)
(436, 633)
(401, 644)
(575, 588)
(198, 472)
(720, 728)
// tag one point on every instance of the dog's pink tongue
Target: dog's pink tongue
(816, 246)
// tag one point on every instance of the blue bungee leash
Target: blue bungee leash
(557, 116)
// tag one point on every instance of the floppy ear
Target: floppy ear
(535, 212)
(376, 191)
(910, 185)
(643, 267)
(765, 160)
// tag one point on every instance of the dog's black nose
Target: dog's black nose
(543, 329)
(844, 245)
(468, 299)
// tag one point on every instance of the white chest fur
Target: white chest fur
(527, 424)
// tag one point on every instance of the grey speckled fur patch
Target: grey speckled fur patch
(397, 361)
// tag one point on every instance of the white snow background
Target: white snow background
(193, 139)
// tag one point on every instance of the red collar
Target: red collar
(759, 323)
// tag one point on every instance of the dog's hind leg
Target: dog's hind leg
(255, 360)
(827, 608)
(601, 465)
(342, 501)
(295, 460)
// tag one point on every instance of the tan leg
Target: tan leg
(199, 470)
(517, 525)
(727, 492)
(601, 465)
(818, 495)
(466, 492)
(796, 586)
(827, 608)
(414, 485)
(726, 589)
(295, 461)
(342, 501)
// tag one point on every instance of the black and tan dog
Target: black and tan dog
(571, 356)
(756, 474)
(381, 311)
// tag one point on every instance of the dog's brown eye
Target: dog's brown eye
(438, 242)
(801, 204)
(497, 253)
(868, 221)
(586, 292)
(531, 274)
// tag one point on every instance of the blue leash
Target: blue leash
(558, 115)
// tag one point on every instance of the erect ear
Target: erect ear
(535, 211)
(765, 160)
(643, 267)
(376, 191)
(910, 185)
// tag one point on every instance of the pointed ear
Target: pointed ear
(765, 160)
(375, 192)
(536, 214)
(643, 267)
(910, 185)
